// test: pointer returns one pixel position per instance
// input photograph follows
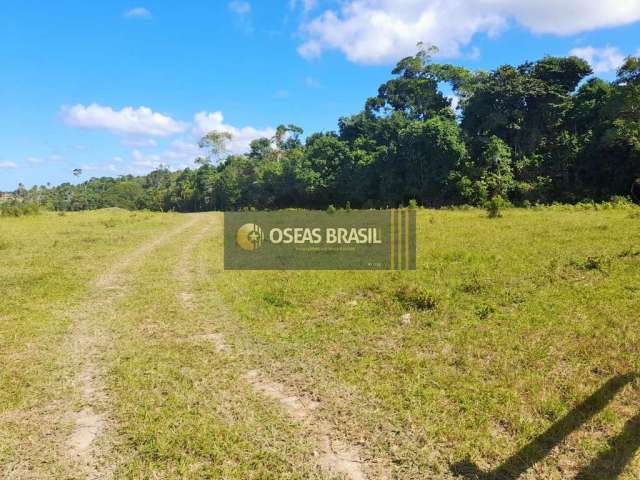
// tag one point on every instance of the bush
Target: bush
(19, 208)
(495, 205)
(413, 204)
(331, 209)
(618, 201)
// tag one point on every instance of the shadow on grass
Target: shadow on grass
(608, 465)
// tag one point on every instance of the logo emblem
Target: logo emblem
(249, 237)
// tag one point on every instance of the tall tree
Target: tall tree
(215, 143)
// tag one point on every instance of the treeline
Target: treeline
(541, 132)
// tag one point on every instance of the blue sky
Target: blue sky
(121, 86)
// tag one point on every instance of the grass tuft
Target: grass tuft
(415, 297)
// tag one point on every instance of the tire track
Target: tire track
(89, 448)
(334, 456)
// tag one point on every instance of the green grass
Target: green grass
(188, 412)
(46, 264)
(514, 322)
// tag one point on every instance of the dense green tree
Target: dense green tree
(414, 92)
(127, 194)
(542, 131)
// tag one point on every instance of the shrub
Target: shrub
(413, 204)
(19, 208)
(331, 209)
(494, 206)
(619, 201)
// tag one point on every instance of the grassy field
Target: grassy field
(511, 352)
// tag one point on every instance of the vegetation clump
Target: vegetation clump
(495, 206)
(19, 208)
(591, 263)
(415, 297)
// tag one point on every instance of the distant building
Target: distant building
(5, 196)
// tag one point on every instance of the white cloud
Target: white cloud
(455, 102)
(310, 49)
(136, 125)
(128, 121)
(311, 82)
(242, 15)
(179, 154)
(8, 165)
(602, 60)
(381, 31)
(37, 160)
(139, 142)
(108, 168)
(142, 160)
(181, 148)
(307, 5)
(239, 7)
(138, 12)
(205, 122)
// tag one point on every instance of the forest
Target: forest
(541, 132)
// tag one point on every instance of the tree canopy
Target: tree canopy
(543, 131)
